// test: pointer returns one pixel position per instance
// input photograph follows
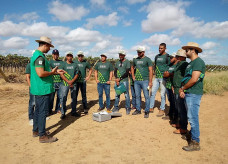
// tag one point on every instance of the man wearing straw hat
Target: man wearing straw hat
(41, 87)
(121, 72)
(192, 91)
(83, 65)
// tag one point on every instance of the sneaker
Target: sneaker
(192, 146)
(146, 115)
(115, 110)
(31, 122)
(62, 116)
(47, 139)
(161, 113)
(100, 109)
(136, 112)
(109, 110)
(36, 134)
(75, 114)
(86, 111)
(128, 111)
(165, 118)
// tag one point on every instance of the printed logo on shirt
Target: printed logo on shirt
(121, 65)
(171, 68)
(80, 65)
(71, 67)
(160, 59)
(40, 62)
(102, 66)
(189, 66)
(56, 64)
(139, 62)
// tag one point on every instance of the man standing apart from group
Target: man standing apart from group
(103, 75)
(162, 61)
(83, 65)
(121, 72)
(192, 91)
(57, 81)
(41, 87)
(142, 79)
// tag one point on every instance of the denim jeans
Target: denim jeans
(57, 90)
(106, 88)
(192, 105)
(31, 107)
(133, 100)
(138, 86)
(39, 119)
(172, 106)
(63, 98)
(182, 112)
(156, 83)
(82, 87)
(127, 97)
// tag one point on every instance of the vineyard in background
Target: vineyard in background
(15, 63)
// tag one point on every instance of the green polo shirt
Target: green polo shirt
(82, 66)
(169, 79)
(142, 68)
(53, 64)
(161, 65)
(104, 70)
(195, 65)
(122, 67)
(178, 75)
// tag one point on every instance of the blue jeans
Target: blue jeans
(82, 87)
(172, 106)
(31, 107)
(156, 83)
(57, 90)
(182, 112)
(106, 88)
(138, 86)
(192, 102)
(133, 100)
(127, 97)
(39, 118)
(63, 98)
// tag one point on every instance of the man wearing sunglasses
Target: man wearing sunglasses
(192, 91)
(121, 72)
(83, 65)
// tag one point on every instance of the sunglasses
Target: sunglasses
(80, 55)
(188, 49)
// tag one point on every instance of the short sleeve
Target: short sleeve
(149, 62)
(133, 64)
(88, 65)
(198, 66)
(128, 65)
(96, 66)
(111, 67)
(40, 62)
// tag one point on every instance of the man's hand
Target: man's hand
(60, 71)
(118, 83)
(117, 80)
(181, 92)
(70, 82)
(54, 70)
(97, 81)
(87, 78)
(133, 77)
(150, 84)
(108, 82)
(166, 74)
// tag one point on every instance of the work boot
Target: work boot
(192, 146)
(161, 113)
(180, 131)
(47, 139)
(146, 115)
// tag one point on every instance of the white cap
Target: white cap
(80, 53)
(141, 49)
(122, 52)
(69, 52)
(104, 54)
(173, 54)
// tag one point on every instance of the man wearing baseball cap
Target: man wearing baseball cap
(121, 72)
(69, 77)
(142, 77)
(192, 91)
(83, 65)
(57, 81)
(41, 87)
(103, 75)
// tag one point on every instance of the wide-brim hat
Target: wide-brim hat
(45, 39)
(104, 54)
(122, 52)
(193, 45)
(80, 53)
(181, 52)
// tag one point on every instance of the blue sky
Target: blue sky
(98, 26)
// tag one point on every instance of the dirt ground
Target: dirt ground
(126, 139)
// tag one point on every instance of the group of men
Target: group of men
(182, 81)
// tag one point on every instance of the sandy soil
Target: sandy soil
(127, 139)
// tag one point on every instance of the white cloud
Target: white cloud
(123, 9)
(156, 39)
(8, 28)
(65, 12)
(209, 45)
(135, 1)
(15, 43)
(25, 17)
(127, 23)
(97, 2)
(110, 20)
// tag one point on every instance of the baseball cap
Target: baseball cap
(69, 53)
(141, 49)
(104, 54)
(122, 52)
(80, 53)
(55, 51)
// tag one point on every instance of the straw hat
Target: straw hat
(181, 52)
(193, 45)
(45, 39)
(122, 52)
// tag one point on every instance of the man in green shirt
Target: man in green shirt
(69, 77)
(83, 65)
(57, 81)
(41, 88)
(103, 75)
(142, 74)
(121, 72)
(162, 61)
(192, 91)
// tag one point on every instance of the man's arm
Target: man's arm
(28, 79)
(110, 77)
(150, 76)
(90, 72)
(41, 73)
(133, 73)
(96, 78)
